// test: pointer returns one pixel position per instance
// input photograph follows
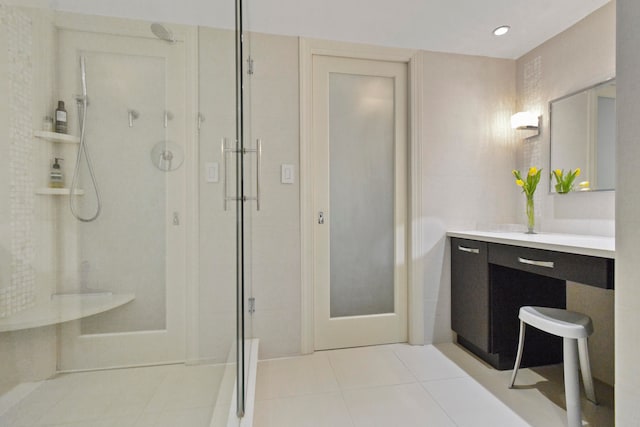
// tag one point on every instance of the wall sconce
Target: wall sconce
(525, 120)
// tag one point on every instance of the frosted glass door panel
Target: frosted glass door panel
(361, 162)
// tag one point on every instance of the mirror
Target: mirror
(583, 135)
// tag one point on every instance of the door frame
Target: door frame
(414, 60)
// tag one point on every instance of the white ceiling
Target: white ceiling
(457, 26)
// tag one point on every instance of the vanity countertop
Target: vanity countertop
(598, 246)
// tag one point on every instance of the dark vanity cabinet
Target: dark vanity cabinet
(487, 291)
(470, 316)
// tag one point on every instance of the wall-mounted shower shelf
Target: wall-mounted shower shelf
(56, 137)
(58, 191)
(63, 309)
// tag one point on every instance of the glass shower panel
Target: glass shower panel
(361, 133)
(150, 86)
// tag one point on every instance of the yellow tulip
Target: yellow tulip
(533, 170)
(558, 173)
(577, 171)
(519, 182)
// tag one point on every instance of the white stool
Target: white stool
(574, 328)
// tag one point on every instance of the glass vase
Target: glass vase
(531, 221)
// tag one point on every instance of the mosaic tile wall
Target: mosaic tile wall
(19, 293)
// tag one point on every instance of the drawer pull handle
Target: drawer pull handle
(547, 264)
(470, 250)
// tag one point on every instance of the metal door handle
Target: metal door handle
(225, 151)
(258, 167)
(225, 179)
(321, 218)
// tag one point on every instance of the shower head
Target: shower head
(162, 32)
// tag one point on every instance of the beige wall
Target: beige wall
(628, 217)
(216, 318)
(579, 57)
(468, 153)
(275, 229)
(576, 58)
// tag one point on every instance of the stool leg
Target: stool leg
(585, 367)
(571, 382)
(519, 355)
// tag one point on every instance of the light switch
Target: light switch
(286, 174)
(211, 172)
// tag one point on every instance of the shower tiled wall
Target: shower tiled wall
(27, 269)
(17, 287)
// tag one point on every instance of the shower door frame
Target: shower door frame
(414, 60)
(191, 217)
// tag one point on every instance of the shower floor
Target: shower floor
(170, 395)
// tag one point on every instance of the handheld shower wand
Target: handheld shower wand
(83, 73)
(83, 103)
(83, 79)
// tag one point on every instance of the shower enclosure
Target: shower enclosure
(126, 291)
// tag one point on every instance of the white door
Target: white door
(359, 152)
(136, 90)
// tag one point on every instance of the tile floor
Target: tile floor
(171, 396)
(402, 385)
(393, 385)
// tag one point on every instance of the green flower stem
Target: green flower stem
(530, 214)
(528, 186)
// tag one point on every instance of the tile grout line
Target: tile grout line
(438, 403)
(405, 365)
(425, 390)
(341, 389)
(484, 390)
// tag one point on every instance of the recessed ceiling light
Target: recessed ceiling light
(501, 30)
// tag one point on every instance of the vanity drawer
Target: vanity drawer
(585, 269)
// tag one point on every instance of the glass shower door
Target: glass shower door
(150, 85)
